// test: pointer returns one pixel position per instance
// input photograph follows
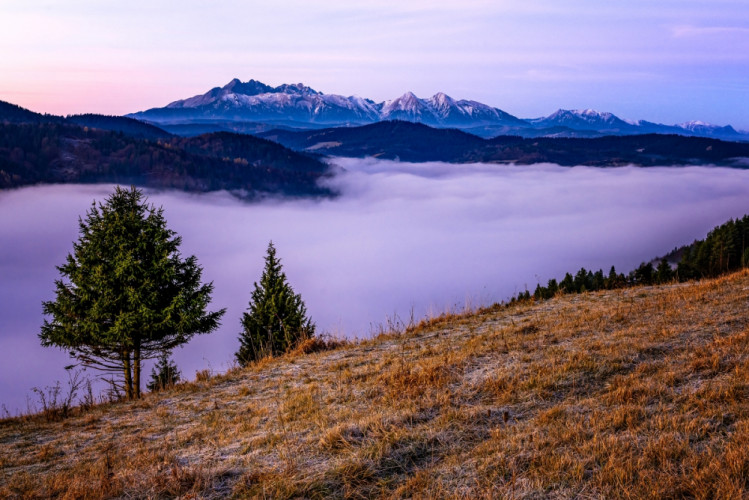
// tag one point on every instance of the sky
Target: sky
(401, 237)
(668, 61)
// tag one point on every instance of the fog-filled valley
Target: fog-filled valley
(401, 239)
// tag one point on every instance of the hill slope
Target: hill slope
(128, 126)
(633, 393)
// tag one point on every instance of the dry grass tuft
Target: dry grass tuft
(636, 393)
(317, 344)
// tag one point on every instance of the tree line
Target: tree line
(724, 249)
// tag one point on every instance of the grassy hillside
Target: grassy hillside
(633, 393)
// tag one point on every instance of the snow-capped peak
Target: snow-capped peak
(442, 99)
(585, 114)
(444, 105)
(691, 125)
(581, 117)
(709, 129)
(407, 102)
(296, 88)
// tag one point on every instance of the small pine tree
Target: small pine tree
(276, 318)
(612, 281)
(553, 288)
(567, 284)
(664, 273)
(644, 274)
(599, 281)
(126, 293)
(164, 374)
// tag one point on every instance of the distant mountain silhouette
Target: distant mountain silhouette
(417, 142)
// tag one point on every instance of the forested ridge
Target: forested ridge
(58, 152)
(416, 142)
(725, 249)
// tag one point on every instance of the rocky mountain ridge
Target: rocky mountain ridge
(299, 106)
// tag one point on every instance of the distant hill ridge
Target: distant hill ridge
(11, 113)
(415, 142)
(299, 106)
(89, 148)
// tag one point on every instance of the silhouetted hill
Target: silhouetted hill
(200, 127)
(402, 140)
(261, 151)
(10, 113)
(36, 153)
(128, 126)
(416, 142)
(643, 150)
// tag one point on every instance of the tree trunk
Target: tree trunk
(128, 374)
(136, 370)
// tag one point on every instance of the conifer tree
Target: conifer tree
(643, 275)
(126, 293)
(164, 374)
(276, 318)
(612, 281)
(567, 285)
(552, 287)
(664, 273)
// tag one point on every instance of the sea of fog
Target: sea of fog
(401, 239)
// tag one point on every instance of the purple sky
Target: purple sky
(668, 61)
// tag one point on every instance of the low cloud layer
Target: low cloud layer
(401, 237)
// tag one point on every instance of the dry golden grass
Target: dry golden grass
(636, 393)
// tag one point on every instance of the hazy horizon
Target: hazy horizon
(401, 237)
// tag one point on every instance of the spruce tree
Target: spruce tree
(276, 318)
(126, 293)
(164, 374)
(567, 285)
(664, 273)
(613, 279)
(553, 288)
(644, 274)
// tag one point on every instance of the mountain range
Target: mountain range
(41, 148)
(253, 107)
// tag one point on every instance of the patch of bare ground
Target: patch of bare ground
(635, 393)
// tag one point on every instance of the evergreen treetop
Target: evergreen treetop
(276, 318)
